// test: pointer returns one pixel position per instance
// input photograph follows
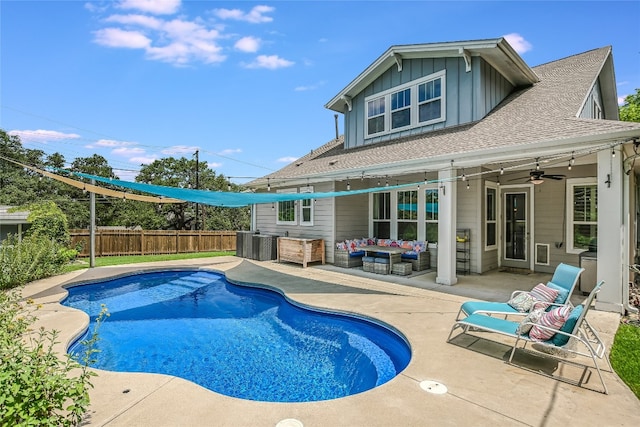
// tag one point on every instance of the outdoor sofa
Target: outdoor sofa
(349, 253)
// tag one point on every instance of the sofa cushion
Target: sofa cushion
(409, 255)
(356, 253)
(419, 246)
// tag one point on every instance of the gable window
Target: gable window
(382, 215)
(286, 210)
(417, 103)
(408, 215)
(582, 215)
(375, 116)
(306, 208)
(430, 100)
(490, 219)
(431, 215)
(401, 109)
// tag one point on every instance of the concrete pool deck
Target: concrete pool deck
(482, 389)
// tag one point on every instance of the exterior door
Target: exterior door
(515, 228)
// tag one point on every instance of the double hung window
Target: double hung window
(431, 215)
(286, 213)
(491, 217)
(306, 208)
(382, 215)
(408, 215)
(582, 215)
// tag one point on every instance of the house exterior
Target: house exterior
(531, 162)
(12, 222)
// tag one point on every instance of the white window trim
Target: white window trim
(494, 186)
(307, 189)
(295, 211)
(413, 85)
(573, 182)
(429, 221)
(539, 247)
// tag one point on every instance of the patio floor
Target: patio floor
(482, 388)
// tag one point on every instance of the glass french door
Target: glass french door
(515, 229)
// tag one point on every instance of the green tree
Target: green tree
(182, 173)
(47, 220)
(630, 111)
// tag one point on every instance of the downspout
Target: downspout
(626, 183)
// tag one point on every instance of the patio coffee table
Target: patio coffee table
(393, 252)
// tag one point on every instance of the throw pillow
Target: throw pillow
(525, 324)
(560, 339)
(563, 294)
(553, 319)
(544, 293)
(522, 302)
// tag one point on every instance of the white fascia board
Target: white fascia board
(388, 59)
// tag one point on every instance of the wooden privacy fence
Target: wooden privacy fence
(151, 242)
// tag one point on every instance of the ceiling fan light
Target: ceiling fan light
(536, 181)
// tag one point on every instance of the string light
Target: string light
(537, 163)
(613, 151)
(268, 185)
(572, 161)
(348, 186)
(425, 178)
(464, 177)
(501, 170)
(468, 186)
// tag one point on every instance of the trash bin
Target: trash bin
(589, 277)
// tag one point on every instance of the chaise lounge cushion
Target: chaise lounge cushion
(563, 294)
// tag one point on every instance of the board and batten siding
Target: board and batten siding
(593, 99)
(470, 96)
(323, 220)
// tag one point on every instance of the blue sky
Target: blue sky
(245, 83)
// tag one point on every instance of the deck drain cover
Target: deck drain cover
(290, 422)
(433, 387)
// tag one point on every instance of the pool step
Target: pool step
(151, 295)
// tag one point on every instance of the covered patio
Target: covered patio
(480, 388)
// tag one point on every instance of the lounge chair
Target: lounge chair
(564, 280)
(562, 342)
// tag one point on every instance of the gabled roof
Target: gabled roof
(534, 121)
(496, 52)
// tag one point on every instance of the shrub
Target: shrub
(32, 258)
(38, 386)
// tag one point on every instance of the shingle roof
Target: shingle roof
(543, 116)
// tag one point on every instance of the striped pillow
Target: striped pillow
(552, 319)
(544, 293)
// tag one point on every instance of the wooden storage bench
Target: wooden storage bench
(301, 251)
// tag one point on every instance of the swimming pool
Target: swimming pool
(241, 341)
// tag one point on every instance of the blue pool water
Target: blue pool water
(240, 341)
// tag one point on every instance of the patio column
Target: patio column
(447, 218)
(612, 232)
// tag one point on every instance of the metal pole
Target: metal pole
(197, 185)
(92, 227)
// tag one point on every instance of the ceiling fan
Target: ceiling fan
(537, 177)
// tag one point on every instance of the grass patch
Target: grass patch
(133, 259)
(625, 356)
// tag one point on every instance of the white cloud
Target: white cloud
(621, 100)
(42, 136)
(271, 62)
(248, 44)
(110, 143)
(213, 165)
(156, 7)
(254, 16)
(176, 41)
(143, 160)
(230, 151)
(309, 87)
(116, 37)
(518, 43)
(127, 151)
(141, 20)
(180, 149)
(287, 159)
